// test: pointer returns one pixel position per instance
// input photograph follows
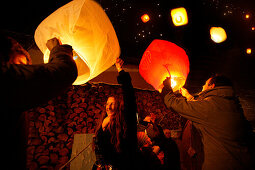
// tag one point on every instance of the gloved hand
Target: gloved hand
(167, 82)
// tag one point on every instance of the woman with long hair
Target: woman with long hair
(115, 137)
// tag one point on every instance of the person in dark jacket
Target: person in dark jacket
(115, 137)
(24, 86)
(216, 112)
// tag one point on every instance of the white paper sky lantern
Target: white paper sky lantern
(84, 25)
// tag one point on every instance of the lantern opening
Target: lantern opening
(179, 19)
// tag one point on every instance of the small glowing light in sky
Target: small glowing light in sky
(145, 18)
(247, 16)
(248, 50)
(252, 28)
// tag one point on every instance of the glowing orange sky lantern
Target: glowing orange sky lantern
(145, 18)
(179, 16)
(218, 34)
(162, 58)
(84, 25)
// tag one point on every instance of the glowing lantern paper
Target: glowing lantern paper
(218, 34)
(84, 25)
(162, 58)
(179, 16)
(145, 18)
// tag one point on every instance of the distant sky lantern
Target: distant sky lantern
(248, 50)
(247, 16)
(161, 59)
(218, 34)
(252, 28)
(179, 16)
(84, 25)
(145, 18)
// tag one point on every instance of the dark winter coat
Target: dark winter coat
(218, 115)
(27, 86)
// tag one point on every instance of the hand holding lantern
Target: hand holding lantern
(51, 43)
(119, 63)
(167, 82)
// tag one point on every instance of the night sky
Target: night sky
(206, 57)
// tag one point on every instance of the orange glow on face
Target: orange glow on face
(248, 51)
(179, 16)
(145, 18)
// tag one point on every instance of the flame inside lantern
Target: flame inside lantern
(162, 59)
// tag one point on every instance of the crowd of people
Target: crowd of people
(121, 141)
